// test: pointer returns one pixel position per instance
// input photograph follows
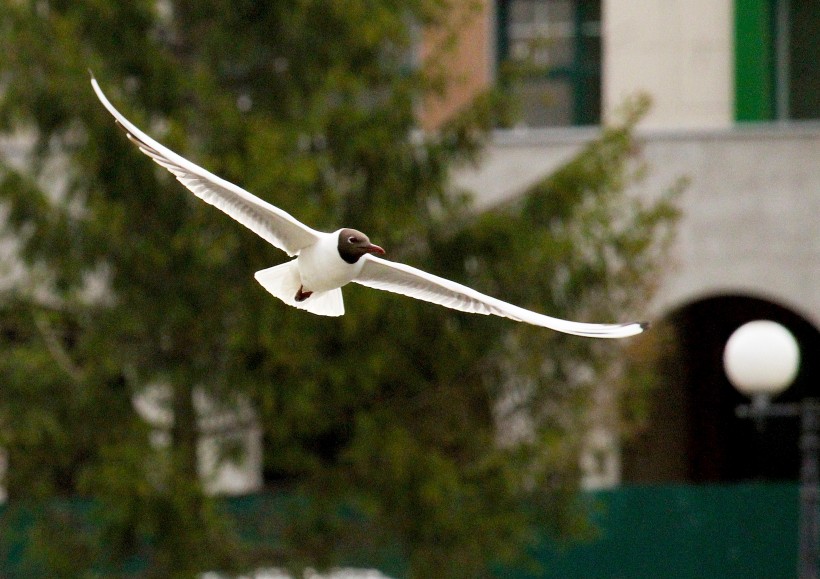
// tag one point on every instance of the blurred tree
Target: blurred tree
(400, 410)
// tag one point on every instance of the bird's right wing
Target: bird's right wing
(272, 224)
(409, 281)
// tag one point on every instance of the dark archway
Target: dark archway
(693, 434)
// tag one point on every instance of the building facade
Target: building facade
(735, 87)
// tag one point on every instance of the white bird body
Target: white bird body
(321, 267)
(325, 262)
(318, 269)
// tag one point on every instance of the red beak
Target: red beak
(372, 248)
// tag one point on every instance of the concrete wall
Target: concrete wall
(751, 215)
(679, 52)
(751, 219)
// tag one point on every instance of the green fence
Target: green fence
(706, 531)
(681, 531)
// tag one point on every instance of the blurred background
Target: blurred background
(162, 416)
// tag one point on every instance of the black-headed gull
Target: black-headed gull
(327, 261)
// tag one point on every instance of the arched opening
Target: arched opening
(693, 433)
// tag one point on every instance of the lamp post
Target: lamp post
(761, 360)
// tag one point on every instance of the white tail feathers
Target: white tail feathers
(283, 281)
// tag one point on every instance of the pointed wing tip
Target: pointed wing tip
(634, 329)
(98, 91)
(623, 330)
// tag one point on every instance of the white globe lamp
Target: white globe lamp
(761, 358)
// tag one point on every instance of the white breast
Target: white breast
(322, 268)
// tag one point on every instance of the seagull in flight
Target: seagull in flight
(324, 262)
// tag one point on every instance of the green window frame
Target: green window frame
(777, 60)
(557, 77)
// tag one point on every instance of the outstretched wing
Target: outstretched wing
(272, 224)
(409, 281)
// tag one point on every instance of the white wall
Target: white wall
(680, 52)
(750, 215)
(751, 220)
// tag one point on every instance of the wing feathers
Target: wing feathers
(269, 222)
(406, 280)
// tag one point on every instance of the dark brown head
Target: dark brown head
(354, 244)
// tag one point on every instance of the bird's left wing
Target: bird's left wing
(403, 279)
(272, 224)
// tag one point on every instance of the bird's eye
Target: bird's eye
(353, 239)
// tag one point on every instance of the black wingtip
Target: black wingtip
(645, 326)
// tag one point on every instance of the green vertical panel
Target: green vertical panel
(754, 60)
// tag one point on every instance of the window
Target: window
(777, 51)
(550, 55)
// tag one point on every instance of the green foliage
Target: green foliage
(399, 411)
